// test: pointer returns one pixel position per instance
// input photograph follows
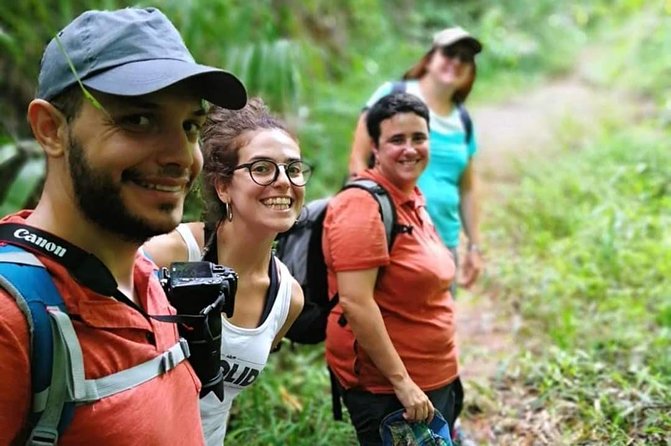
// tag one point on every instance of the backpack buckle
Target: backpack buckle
(168, 362)
(184, 344)
(43, 436)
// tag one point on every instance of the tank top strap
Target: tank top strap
(191, 243)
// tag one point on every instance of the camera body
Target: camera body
(200, 292)
(193, 286)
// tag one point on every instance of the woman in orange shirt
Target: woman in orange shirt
(390, 340)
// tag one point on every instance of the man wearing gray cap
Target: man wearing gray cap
(119, 106)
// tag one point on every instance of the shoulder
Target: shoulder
(197, 228)
(297, 298)
(296, 290)
(296, 303)
(13, 321)
(352, 197)
(412, 87)
(352, 208)
(171, 247)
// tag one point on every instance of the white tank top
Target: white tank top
(244, 351)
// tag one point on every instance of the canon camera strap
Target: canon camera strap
(87, 269)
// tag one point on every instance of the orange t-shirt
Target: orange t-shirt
(412, 290)
(113, 337)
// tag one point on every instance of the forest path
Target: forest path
(535, 123)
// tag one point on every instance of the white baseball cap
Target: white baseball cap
(455, 34)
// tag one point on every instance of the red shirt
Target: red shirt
(412, 291)
(113, 337)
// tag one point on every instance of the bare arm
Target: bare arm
(361, 147)
(295, 308)
(364, 317)
(470, 217)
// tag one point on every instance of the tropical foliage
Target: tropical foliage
(585, 239)
(315, 62)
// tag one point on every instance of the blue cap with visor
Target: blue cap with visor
(130, 52)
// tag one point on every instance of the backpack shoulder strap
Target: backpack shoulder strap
(398, 87)
(57, 365)
(466, 121)
(464, 116)
(26, 279)
(387, 209)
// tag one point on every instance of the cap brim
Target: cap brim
(148, 76)
(466, 38)
(475, 43)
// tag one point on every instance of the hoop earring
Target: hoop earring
(228, 211)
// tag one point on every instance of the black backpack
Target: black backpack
(300, 249)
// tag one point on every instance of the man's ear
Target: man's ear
(221, 186)
(49, 127)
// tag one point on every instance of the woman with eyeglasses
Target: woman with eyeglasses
(442, 78)
(254, 186)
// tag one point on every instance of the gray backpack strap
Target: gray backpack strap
(387, 209)
(81, 390)
(68, 382)
(127, 379)
(464, 116)
(466, 121)
(398, 87)
(47, 426)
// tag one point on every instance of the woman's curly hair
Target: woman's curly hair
(224, 133)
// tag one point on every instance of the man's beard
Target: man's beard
(99, 199)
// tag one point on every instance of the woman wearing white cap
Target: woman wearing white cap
(442, 78)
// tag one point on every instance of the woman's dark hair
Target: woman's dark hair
(418, 71)
(224, 133)
(391, 105)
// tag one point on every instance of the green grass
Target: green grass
(290, 404)
(588, 257)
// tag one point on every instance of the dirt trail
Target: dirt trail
(532, 124)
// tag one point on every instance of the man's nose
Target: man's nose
(177, 149)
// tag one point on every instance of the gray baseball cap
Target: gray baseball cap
(130, 52)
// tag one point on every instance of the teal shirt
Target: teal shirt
(449, 156)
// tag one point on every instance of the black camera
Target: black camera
(200, 292)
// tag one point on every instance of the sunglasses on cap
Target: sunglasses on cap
(461, 52)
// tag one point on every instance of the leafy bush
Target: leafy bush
(316, 62)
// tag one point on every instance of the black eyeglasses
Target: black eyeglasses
(266, 172)
(463, 53)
